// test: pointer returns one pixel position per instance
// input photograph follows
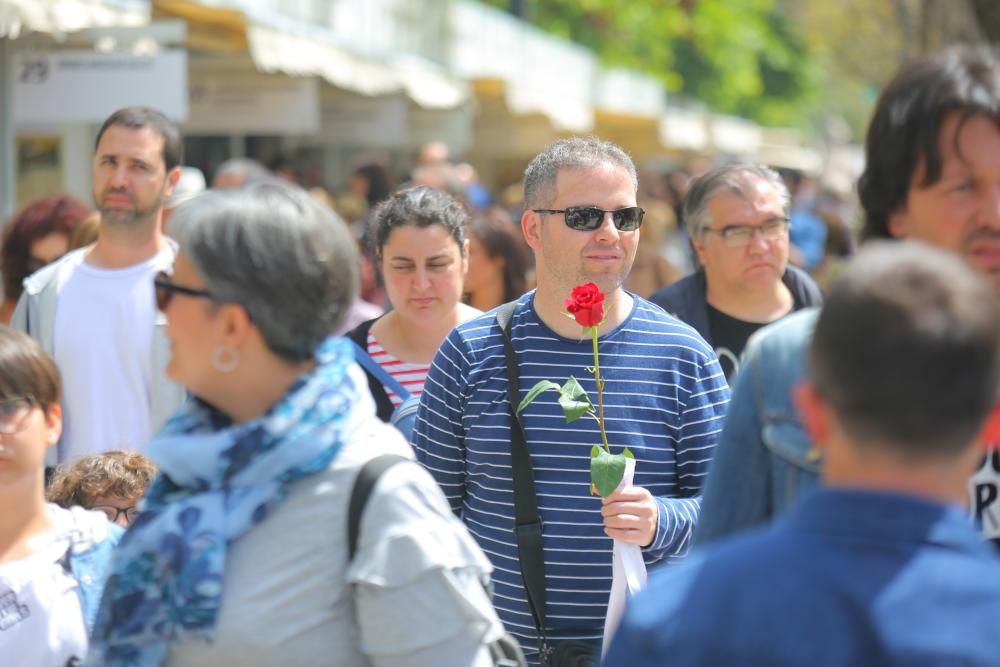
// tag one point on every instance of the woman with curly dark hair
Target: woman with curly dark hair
(112, 482)
(37, 235)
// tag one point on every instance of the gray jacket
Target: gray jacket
(35, 314)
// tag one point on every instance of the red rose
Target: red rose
(586, 304)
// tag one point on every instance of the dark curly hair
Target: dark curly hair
(114, 473)
(421, 206)
(56, 214)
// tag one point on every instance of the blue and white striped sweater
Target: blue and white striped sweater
(664, 398)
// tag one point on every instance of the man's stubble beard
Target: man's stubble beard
(132, 218)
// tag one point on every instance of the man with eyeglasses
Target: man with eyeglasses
(932, 173)
(94, 310)
(664, 397)
(737, 216)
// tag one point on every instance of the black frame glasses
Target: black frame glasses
(166, 289)
(113, 512)
(738, 236)
(589, 218)
(14, 413)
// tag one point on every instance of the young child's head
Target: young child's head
(112, 482)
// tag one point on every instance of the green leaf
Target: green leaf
(595, 450)
(535, 391)
(606, 471)
(574, 400)
(627, 453)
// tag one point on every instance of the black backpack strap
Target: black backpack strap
(527, 520)
(383, 404)
(364, 483)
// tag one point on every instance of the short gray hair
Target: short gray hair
(278, 253)
(244, 168)
(738, 178)
(574, 153)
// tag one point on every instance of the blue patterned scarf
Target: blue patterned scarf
(217, 480)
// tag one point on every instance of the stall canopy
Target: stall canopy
(283, 44)
(18, 17)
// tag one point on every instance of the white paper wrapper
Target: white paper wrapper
(628, 572)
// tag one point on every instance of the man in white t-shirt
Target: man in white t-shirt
(94, 310)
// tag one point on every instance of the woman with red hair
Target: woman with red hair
(37, 235)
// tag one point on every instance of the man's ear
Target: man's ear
(465, 257)
(698, 244)
(173, 176)
(531, 227)
(814, 412)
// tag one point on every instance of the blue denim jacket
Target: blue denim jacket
(90, 568)
(764, 458)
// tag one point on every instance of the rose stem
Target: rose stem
(600, 391)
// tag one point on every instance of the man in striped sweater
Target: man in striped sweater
(664, 398)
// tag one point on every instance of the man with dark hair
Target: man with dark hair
(737, 218)
(932, 172)
(94, 310)
(664, 399)
(882, 567)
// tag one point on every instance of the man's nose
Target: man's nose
(118, 177)
(607, 230)
(990, 211)
(757, 240)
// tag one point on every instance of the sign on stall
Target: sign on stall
(251, 103)
(63, 87)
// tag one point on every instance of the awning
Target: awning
(64, 16)
(280, 44)
(540, 74)
(285, 50)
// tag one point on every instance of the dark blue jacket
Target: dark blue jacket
(687, 299)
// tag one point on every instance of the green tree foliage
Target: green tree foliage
(737, 56)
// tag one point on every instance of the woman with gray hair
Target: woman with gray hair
(239, 556)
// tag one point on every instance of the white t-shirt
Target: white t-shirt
(41, 622)
(102, 344)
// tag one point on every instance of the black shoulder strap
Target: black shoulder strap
(364, 482)
(383, 405)
(527, 520)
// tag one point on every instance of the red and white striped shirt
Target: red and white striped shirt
(411, 376)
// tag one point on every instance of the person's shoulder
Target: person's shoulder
(649, 318)
(788, 336)
(805, 290)
(46, 276)
(482, 331)
(674, 295)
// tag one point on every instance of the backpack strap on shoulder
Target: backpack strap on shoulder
(362, 357)
(364, 483)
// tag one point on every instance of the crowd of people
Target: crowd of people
(243, 423)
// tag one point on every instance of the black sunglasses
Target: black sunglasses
(589, 218)
(165, 290)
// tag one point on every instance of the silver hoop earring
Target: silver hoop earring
(225, 361)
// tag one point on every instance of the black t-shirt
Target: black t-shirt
(729, 336)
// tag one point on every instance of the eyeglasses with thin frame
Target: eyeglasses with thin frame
(113, 512)
(738, 236)
(589, 218)
(14, 413)
(166, 289)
